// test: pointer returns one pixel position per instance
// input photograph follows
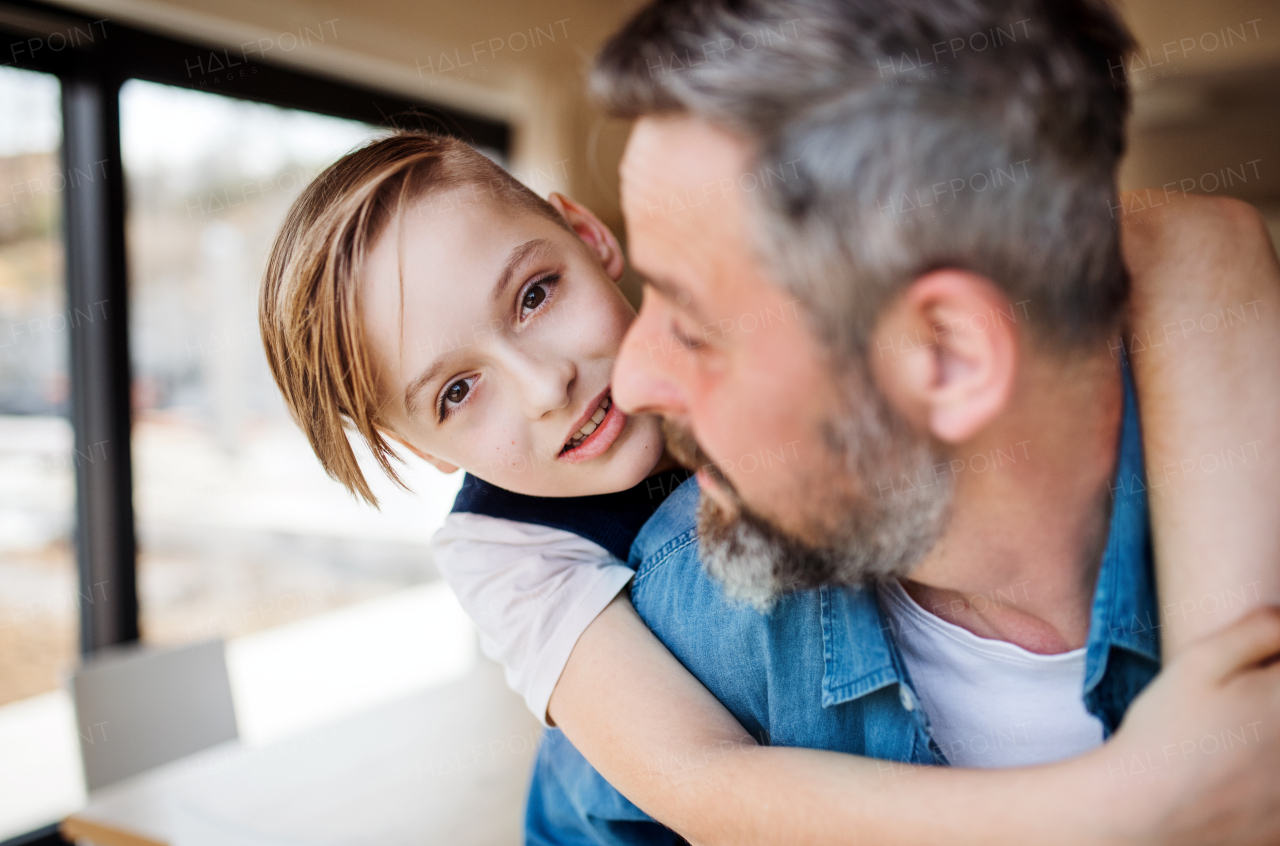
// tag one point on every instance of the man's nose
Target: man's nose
(646, 374)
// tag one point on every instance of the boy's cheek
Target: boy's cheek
(513, 463)
(602, 321)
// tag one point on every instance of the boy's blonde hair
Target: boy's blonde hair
(309, 306)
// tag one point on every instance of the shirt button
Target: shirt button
(908, 701)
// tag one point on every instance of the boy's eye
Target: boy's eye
(457, 391)
(534, 297)
(537, 294)
(453, 396)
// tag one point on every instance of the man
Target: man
(847, 319)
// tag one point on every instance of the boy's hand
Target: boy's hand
(1197, 759)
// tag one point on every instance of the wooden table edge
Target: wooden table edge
(103, 835)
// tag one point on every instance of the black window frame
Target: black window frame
(92, 58)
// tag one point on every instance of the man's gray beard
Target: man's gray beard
(858, 533)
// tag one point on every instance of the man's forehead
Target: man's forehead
(671, 175)
(679, 152)
(686, 188)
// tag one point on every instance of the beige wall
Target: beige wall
(1206, 82)
(1207, 99)
(520, 60)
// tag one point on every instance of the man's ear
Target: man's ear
(442, 466)
(593, 233)
(945, 353)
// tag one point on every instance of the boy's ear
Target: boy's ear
(593, 233)
(442, 466)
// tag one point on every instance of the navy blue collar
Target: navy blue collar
(611, 520)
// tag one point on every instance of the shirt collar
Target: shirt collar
(860, 656)
(1124, 602)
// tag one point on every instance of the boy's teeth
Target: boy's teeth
(591, 425)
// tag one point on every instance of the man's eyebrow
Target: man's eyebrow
(677, 294)
(518, 255)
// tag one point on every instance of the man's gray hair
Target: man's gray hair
(895, 137)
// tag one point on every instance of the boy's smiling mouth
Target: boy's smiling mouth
(596, 431)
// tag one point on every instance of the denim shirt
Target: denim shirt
(821, 669)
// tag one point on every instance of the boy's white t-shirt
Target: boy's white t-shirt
(991, 703)
(531, 590)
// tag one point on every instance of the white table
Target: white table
(448, 765)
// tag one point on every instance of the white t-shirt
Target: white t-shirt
(991, 703)
(531, 591)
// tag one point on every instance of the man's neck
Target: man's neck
(1020, 556)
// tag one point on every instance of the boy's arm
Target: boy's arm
(684, 759)
(530, 589)
(1205, 351)
(1215, 536)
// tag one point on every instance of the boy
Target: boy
(417, 293)
(495, 319)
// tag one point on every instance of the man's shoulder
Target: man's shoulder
(673, 525)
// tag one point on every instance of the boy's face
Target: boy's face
(497, 353)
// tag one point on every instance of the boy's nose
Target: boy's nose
(544, 386)
(644, 376)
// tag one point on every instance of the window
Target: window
(38, 603)
(186, 483)
(238, 526)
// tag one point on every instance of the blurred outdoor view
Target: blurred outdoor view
(38, 601)
(238, 527)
